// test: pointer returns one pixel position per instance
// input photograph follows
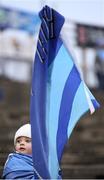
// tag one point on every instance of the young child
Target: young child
(19, 164)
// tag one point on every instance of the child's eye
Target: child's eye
(28, 140)
(18, 141)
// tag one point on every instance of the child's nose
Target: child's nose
(22, 143)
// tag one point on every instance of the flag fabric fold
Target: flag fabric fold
(59, 97)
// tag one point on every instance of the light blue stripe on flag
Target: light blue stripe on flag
(62, 66)
(80, 106)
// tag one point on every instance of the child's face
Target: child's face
(23, 145)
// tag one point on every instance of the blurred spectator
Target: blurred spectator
(99, 63)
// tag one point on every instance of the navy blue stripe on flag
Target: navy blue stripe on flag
(95, 103)
(37, 117)
(69, 92)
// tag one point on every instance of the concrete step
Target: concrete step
(93, 171)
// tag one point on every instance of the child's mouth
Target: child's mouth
(22, 149)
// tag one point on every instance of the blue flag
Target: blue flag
(59, 97)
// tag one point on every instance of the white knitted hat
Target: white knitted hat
(24, 130)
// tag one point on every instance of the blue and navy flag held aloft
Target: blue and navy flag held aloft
(59, 97)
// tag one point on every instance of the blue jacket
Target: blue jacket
(19, 166)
